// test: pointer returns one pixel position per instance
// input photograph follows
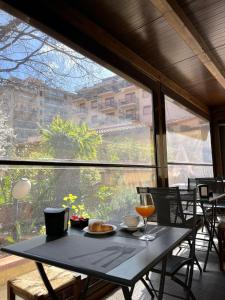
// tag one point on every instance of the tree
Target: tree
(129, 148)
(65, 140)
(6, 136)
(27, 52)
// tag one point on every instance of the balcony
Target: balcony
(128, 101)
(107, 106)
(81, 110)
(131, 117)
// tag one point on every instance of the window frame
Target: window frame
(103, 56)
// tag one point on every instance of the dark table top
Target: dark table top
(127, 272)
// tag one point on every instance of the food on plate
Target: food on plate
(78, 221)
(77, 218)
(99, 226)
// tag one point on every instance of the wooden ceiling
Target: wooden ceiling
(142, 27)
(178, 43)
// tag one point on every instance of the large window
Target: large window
(188, 144)
(56, 104)
(83, 121)
(98, 192)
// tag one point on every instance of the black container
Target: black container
(79, 224)
(203, 190)
(56, 221)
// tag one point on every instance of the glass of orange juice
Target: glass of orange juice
(145, 208)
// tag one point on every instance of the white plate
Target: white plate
(140, 225)
(86, 229)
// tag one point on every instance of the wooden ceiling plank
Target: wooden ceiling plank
(176, 18)
(91, 29)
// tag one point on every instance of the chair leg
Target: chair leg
(187, 275)
(196, 260)
(188, 280)
(207, 257)
(10, 292)
(151, 285)
(190, 277)
(197, 263)
(189, 293)
(147, 287)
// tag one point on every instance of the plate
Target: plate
(86, 229)
(140, 225)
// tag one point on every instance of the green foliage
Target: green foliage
(10, 239)
(42, 230)
(5, 189)
(77, 209)
(127, 148)
(64, 139)
(104, 196)
(104, 193)
(89, 179)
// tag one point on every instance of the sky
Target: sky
(55, 64)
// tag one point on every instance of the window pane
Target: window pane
(100, 193)
(57, 104)
(179, 174)
(188, 135)
(189, 142)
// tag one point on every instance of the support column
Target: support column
(160, 136)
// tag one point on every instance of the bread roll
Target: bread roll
(106, 227)
(98, 226)
(95, 226)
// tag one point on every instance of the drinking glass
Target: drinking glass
(145, 208)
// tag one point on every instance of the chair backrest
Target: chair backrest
(168, 206)
(220, 184)
(192, 184)
(214, 185)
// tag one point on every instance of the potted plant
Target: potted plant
(79, 217)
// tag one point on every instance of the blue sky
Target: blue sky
(48, 65)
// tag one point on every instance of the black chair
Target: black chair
(220, 205)
(169, 212)
(209, 211)
(215, 185)
(191, 184)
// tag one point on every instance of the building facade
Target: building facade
(30, 105)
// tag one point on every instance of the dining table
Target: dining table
(117, 257)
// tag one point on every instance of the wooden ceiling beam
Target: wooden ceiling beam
(177, 19)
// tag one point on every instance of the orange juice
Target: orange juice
(145, 210)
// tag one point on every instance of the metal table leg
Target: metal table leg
(46, 281)
(162, 279)
(126, 293)
(86, 286)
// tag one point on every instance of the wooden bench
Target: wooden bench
(31, 287)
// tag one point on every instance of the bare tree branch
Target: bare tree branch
(26, 50)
